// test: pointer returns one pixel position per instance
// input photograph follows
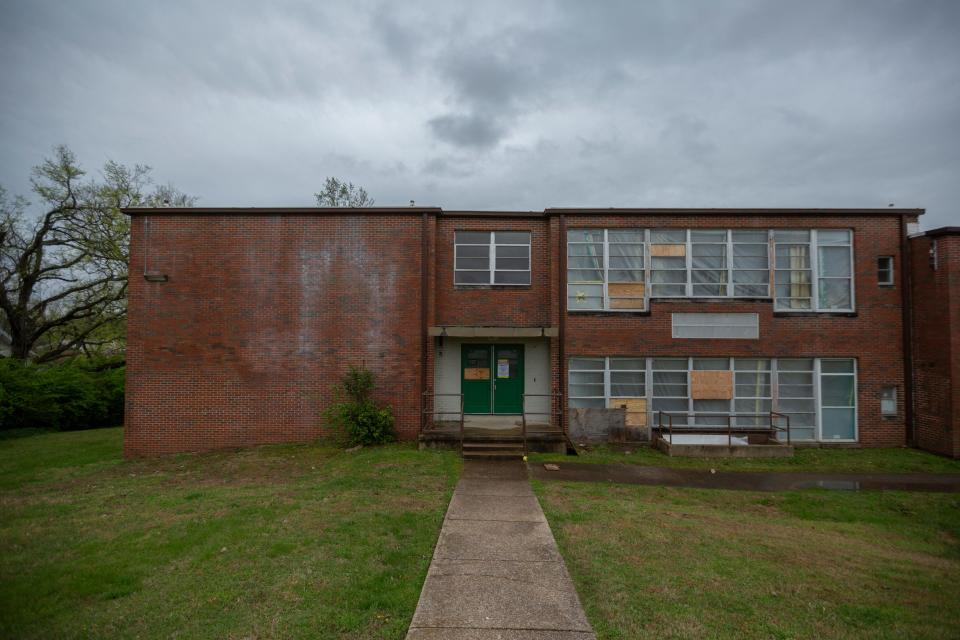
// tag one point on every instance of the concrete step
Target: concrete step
(467, 444)
(499, 454)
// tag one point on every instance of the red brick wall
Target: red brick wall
(936, 327)
(498, 306)
(873, 335)
(260, 317)
(263, 313)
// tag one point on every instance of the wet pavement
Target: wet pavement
(745, 480)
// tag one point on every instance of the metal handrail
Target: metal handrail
(429, 409)
(771, 426)
(549, 414)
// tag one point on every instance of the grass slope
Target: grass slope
(275, 542)
(900, 460)
(654, 562)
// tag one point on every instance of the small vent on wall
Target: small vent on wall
(744, 326)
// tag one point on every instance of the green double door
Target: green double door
(491, 377)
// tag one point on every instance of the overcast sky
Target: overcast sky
(512, 105)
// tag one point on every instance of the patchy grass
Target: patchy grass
(899, 460)
(656, 562)
(275, 542)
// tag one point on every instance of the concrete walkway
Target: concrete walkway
(496, 572)
(744, 480)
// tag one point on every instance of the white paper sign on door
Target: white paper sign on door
(503, 368)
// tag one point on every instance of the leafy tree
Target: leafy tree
(63, 273)
(337, 193)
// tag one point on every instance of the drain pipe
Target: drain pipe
(562, 324)
(424, 298)
(906, 296)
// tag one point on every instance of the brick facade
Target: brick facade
(264, 309)
(936, 325)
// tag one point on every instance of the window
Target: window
(600, 382)
(834, 269)
(491, 257)
(818, 394)
(838, 390)
(888, 401)
(605, 269)
(820, 281)
(751, 264)
(617, 269)
(708, 263)
(668, 263)
(716, 325)
(796, 396)
(885, 271)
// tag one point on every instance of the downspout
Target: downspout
(906, 284)
(562, 324)
(424, 298)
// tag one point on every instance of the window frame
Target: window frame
(492, 269)
(890, 269)
(813, 244)
(605, 269)
(772, 373)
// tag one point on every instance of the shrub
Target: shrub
(355, 418)
(60, 397)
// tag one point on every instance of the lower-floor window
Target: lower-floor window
(818, 394)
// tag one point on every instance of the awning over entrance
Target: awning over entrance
(493, 332)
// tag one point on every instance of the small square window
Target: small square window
(888, 401)
(885, 271)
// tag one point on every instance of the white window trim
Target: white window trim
(730, 288)
(605, 268)
(492, 259)
(892, 269)
(815, 275)
(774, 389)
(820, 406)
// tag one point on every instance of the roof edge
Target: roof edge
(943, 231)
(551, 211)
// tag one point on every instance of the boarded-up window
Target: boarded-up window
(716, 325)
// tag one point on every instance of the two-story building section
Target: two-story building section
(241, 321)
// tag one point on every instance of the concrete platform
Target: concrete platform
(496, 572)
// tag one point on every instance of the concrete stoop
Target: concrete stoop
(496, 571)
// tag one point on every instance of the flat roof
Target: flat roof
(552, 211)
(943, 231)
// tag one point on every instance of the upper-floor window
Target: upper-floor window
(885, 271)
(607, 269)
(813, 280)
(492, 258)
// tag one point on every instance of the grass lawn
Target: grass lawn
(685, 563)
(900, 460)
(275, 542)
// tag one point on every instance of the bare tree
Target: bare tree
(63, 275)
(337, 193)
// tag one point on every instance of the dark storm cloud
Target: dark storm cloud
(498, 104)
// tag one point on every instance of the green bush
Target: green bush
(61, 397)
(355, 418)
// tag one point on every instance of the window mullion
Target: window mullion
(492, 257)
(689, 265)
(606, 268)
(814, 270)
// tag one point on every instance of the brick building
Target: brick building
(242, 320)
(935, 273)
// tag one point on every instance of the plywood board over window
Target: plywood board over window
(668, 250)
(476, 373)
(635, 409)
(711, 385)
(626, 295)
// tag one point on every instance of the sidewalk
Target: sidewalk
(496, 572)
(745, 480)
